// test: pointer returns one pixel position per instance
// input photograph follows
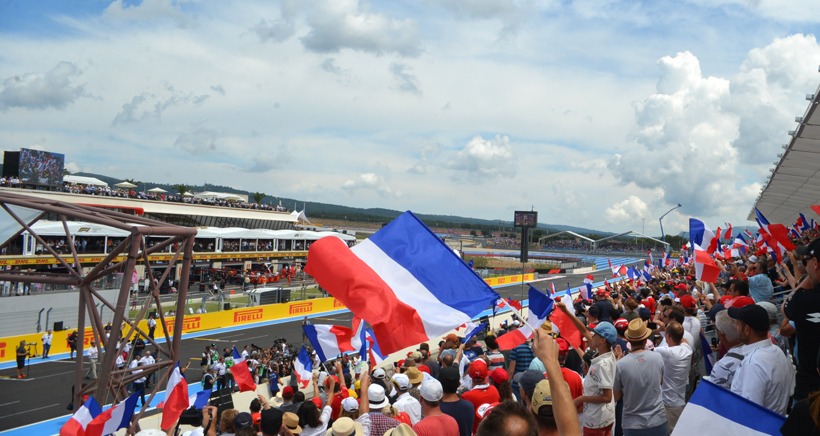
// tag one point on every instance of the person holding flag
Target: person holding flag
(241, 373)
(598, 401)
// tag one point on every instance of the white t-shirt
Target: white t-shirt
(765, 376)
(600, 376)
(677, 361)
(321, 429)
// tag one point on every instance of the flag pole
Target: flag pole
(518, 314)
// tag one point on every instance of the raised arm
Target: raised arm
(563, 407)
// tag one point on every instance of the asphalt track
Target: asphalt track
(46, 392)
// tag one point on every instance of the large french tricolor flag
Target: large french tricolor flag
(701, 237)
(176, 399)
(303, 367)
(241, 373)
(76, 425)
(564, 323)
(539, 309)
(113, 419)
(329, 341)
(715, 410)
(404, 281)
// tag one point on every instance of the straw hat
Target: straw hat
(637, 331)
(345, 427)
(291, 421)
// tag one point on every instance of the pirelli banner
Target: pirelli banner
(509, 280)
(190, 324)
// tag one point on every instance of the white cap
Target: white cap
(431, 390)
(402, 381)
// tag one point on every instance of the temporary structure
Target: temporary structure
(157, 190)
(81, 180)
(125, 185)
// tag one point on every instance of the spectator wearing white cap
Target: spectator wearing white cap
(405, 402)
(379, 423)
(357, 410)
(435, 423)
(765, 376)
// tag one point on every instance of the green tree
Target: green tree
(258, 197)
(182, 188)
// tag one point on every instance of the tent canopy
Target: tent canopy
(126, 185)
(157, 189)
(80, 180)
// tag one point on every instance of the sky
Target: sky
(602, 114)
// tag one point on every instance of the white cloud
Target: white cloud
(151, 105)
(484, 159)
(370, 181)
(346, 24)
(52, 89)
(198, 140)
(148, 10)
(627, 211)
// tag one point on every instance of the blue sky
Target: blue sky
(598, 113)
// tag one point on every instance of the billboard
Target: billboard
(523, 218)
(38, 167)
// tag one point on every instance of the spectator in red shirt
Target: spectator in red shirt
(482, 392)
(434, 422)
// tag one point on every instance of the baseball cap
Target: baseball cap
(379, 374)
(771, 310)
(401, 381)
(350, 405)
(478, 369)
(563, 346)
(606, 331)
(688, 301)
(452, 337)
(541, 398)
(243, 420)
(271, 421)
(753, 315)
(739, 302)
(484, 410)
(431, 390)
(621, 324)
(528, 379)
(499, 375)
(287, 392)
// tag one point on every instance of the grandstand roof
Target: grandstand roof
(795, 181)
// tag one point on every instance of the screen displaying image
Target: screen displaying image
(41, 167)
(525, 218)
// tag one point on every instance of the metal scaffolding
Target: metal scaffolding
(110, 387)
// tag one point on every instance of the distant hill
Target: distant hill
(355, 214)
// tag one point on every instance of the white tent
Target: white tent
(158, 190)
(125, 185)
(300, 216)
(80, 180)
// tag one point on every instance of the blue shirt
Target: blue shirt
(273, 383)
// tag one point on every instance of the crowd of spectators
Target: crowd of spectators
(640, 360)
(107, 191)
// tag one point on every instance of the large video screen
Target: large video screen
(41, 167)
(525, 218)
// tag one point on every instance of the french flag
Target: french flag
(176, 399)
(715, 410)
(705, 267)
(563, 323)
(632, 273)
(646, 275)
(330, 341)
(701, 237)
(617, 271)
(552, 289)
(665, 260)
(538, 311)
(586, 291)
(242, 373)
(802, 222)
(422, 289)
(728, 234)
(113, 419)
(303, 366)
(589, 279)
(474, 330)
(76, 425)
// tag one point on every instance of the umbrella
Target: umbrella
(126, 185)
(157, 189)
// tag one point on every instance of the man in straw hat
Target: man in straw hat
(638, 378)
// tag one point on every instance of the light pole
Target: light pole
(660, 221)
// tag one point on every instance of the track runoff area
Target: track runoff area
(38, 403)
